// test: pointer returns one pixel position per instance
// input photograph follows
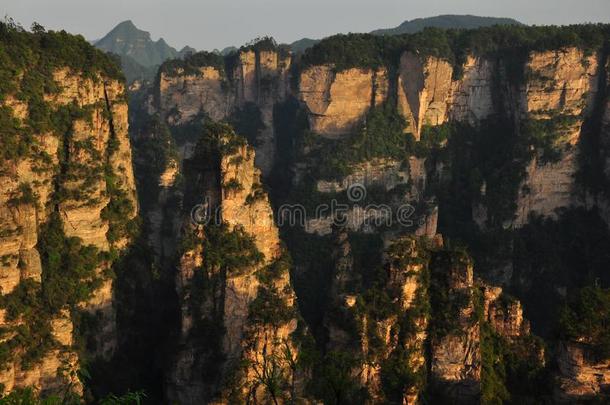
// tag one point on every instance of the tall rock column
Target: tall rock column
(67, 203)
(233, 273)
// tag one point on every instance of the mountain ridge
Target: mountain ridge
(446, 21)
(140, 55)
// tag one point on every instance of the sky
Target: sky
(207, 24)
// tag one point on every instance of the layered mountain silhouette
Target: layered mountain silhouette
(418, 24)
(140, 55)
(446, 22)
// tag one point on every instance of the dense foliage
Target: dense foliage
(191, 63)
(269, 307)
(370, 51)
(27, 63)
(381, 135)
(69, 277)
(570, 252)
(513, 370)
(247, 122)
(232, 251)
(586, 318)
(265, 44)
(27, 396)
(122, 225)
(446, 22)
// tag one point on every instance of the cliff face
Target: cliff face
(423, 313)
(557, 83)
(581, 377)
(497, 138)
(560, 83)
(76, 176)
(252, 300)
(405, 182)
(258, 77)
(379, 336)
(562, 80)
(472, 96)
(338, 101)
(183, 96)
(424, 91)
(456, 353)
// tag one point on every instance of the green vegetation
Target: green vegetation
(355, 50)
(15, 139)
(39, 52)
(79, 179)
(69, 277)
(586, 318)
(34, 336)
(487, 166)
(433, 138)
(447, 302)
(226, 253)
(570, 252)
(446, 22)
(380, 136)
(232, 251)
(507, 42)
(247, 122)
(378, 301)
(191, 64)
(544, 135)
(335, 383)
(24, 196)
(120, 209)
(71, 271)
(513, 371)
(493, 369)
(263, 44)
(27, 63)
(269, 307)
(27, 396)
(217, 139)
(397, 374)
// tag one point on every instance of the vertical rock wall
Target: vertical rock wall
(72, 164)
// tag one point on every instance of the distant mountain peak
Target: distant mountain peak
(126, 24)
(137, 50)
(126, 29)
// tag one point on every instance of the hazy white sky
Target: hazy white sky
(207, 24)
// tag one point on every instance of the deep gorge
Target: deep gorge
(497, 138)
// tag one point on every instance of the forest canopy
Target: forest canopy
(346, 51)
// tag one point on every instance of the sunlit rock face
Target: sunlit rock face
(246, 344)
(73, 163)
(259, 78)
(338, 101)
